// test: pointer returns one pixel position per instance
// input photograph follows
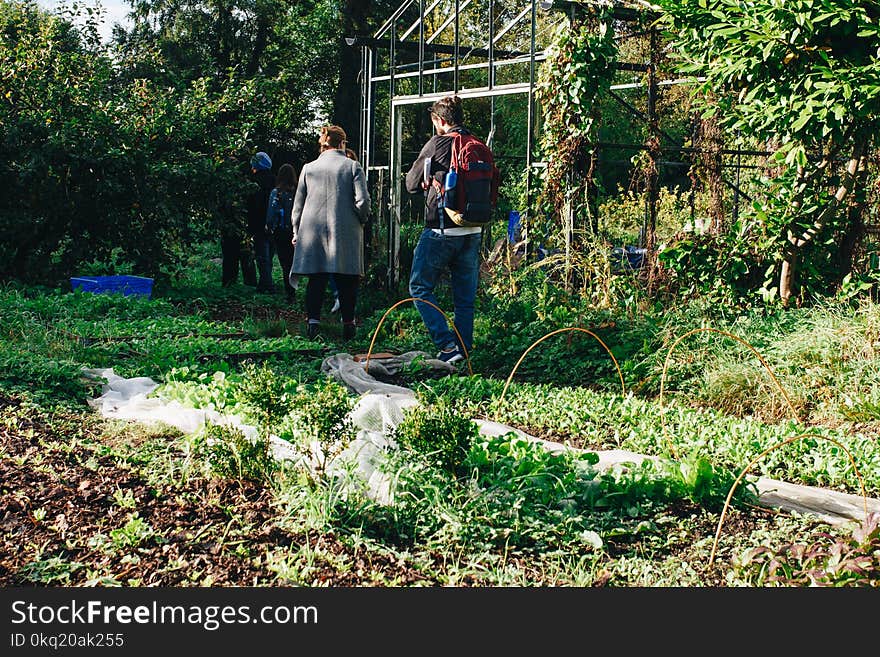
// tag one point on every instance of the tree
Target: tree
(804, 77)
(287, 51)
(93, 164)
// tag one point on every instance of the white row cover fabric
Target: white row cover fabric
(380, 408)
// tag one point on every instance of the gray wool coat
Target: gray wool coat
(329, 209)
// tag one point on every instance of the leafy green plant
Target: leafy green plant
(827, 561)
(318, 421)
(438, 432)
(321, 410)
(232, 455)
(124, 499)
(538, 475)
(134, 532)
(265, 393)
(50, 571)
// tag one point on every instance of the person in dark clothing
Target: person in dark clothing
(258, 202)
(237, 251)
(443, 247)
(281, 199)
(236, 245)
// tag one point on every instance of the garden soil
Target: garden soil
(59, 496)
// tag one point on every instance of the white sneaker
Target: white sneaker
(335, 307)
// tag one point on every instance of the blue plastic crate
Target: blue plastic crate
(125, 285)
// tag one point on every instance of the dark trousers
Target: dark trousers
(347, 284)
(284, 249)
(268, 246)
(237, 253)
(264, 245)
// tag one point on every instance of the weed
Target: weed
(232, 455)
(134, 532)
(124, 499)
(50, 571)
(827, 561)
(438, 432)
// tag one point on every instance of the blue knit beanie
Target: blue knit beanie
(261, 161)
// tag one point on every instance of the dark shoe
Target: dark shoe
(348, 331)
(312, 331)
(450, 356)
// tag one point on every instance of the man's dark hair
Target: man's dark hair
(449, 109)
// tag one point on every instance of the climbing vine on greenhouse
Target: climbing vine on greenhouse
(580, 66)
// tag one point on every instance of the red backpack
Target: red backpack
(470, 190)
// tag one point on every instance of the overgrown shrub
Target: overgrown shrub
(439, 432)
(265, 392)
(232, 455)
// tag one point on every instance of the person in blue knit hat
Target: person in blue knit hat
(261, 161)
(258, 203)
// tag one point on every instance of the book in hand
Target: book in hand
(426, 173)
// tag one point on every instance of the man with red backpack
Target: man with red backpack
(459, 177)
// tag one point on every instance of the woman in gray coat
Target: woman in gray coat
(330, 207)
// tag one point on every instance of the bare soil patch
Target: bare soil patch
(56, 504)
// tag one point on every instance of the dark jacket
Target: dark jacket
(439, 149)
(280, 200)
(258, 201)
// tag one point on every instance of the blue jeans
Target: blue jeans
(264, 248)
(460, 256)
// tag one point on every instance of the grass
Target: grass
(503, 515)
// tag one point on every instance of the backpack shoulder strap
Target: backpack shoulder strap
(455, 153)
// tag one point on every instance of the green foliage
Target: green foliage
(802, 79)
(232, 455)
(827, 561)
(319, 411)
(96, 167)
(525, 498)
(212, 392)
(801, 73)
(539, 475)
(49, 379)
(730, 268)
(134, 532)
(512, 323)
(579, 67)
(621, 216)
(115, 162)
(50, 571)
(286, 54)
(438, 432)
(265, 393)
